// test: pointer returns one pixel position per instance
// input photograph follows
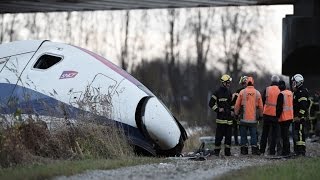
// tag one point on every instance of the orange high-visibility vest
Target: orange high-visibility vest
(287, 112)
(250, 99)
(272, 93)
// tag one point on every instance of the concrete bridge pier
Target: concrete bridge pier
(301, 42)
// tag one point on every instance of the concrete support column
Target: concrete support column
(301, 42)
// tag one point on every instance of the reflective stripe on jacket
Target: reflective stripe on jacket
(221, 98)
(287, 112)
(272, 93)
(249, 100)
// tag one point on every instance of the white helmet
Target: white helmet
(297, 80)
(275, 78)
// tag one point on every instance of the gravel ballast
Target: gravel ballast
(182, 168)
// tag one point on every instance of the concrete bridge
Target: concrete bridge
(8, 6)
(301, 31)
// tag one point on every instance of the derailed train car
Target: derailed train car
(52, 79)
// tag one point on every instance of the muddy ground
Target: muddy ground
(183, 168)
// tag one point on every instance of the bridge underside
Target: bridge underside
(26, 6)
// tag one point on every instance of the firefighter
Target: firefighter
(220, 102)
(243, 84)
(300, 112)
(248, 106)
(317, 112)
(313, 113)
(270, 121)
(285, 115)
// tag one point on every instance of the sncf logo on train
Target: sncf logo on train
(68, 74)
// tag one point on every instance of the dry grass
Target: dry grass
(31, 142)
(28, 140)
(193, 142)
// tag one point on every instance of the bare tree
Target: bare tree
(239, 28)
(138, 42)
(202, 29)
(124, 47)
(1, 27)
(11, 28)
(69, 24)
(172, 58)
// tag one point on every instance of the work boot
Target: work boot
(272, 152)
(243, 150)
(285, 153)
(216, 152)
(301, 151)
(227, 152)
(255, 150)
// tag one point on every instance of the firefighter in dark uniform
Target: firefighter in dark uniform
(313, 113)
(317, 113)
(300, 110)
(243, 84)
(220, 102)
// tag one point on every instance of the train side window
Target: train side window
(46, 61)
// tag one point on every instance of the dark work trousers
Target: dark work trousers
(269, 124)
(284, 129)
(235, 131)
(223, 130)
(299, 138)
(278, 140)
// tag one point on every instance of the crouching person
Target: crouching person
(248, 106)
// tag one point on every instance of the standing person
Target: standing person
(243, 84)
(270, 121)
(300, 112)
(313, 111)
(285, 115)
(247, 103)
(220, 102)
(316, 101)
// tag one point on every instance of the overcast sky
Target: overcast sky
(273, 37)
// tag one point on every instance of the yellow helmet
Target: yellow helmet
(225, 78)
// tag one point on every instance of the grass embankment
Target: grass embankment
(29, 150)
(67, 168)
(301, 168)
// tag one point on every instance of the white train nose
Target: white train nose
(160, 124)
